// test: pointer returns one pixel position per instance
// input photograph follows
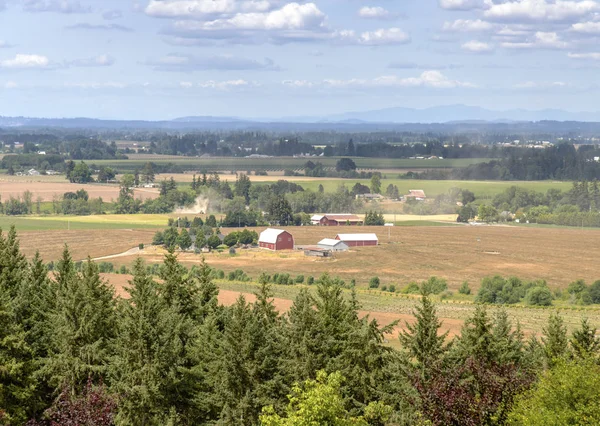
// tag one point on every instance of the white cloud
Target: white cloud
(100, 27)
(467, 25)
(58, 6)
(96, 61)
(383, 37)
(189, 63)
(540, 10)
(475, 46)
(590, 55)
(200, 9)
(541, 85)
(586, 27)
(541, 40)
(24, 61)
(186, 84)
(460, 4)
(96, 85)
(224, 85)
(5, 45)
(428, 79)
(298, 83)
(374, 12)
(10, 85)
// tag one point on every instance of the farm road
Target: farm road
(130, 252)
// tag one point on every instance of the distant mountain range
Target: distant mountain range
(450, 116)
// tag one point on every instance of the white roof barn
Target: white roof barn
(333, 245)
(357, 237)
(270, 235)
(276, 239)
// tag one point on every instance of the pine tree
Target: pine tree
(65, 270)
(145, 369)
(555, 338)
(584, 341)
(422, 339)
(208, 292)
(16, 369)
(509, 344)
(476, 338)
(83, 327)
(13, 264)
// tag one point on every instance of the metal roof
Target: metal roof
(357, 237)
(270, 235)
(330, 242)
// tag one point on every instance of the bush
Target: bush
(464, 288)
(392, 288)
(384, 288)
(411, 288)
(446, 295)
(310, 280)
(539, 296)
(299, 279)
(141, 246)
(374, 282)
(220, 274)
(434, 285)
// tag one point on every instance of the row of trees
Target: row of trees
(170, 354)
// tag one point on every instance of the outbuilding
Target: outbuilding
(332, 245)
(340, 219)
(276, 239)
(358, 240)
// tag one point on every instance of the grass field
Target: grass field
(281, 163)
(40, 223)
(415, 253)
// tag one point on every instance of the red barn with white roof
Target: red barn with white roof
(276, 239)
(358, 240)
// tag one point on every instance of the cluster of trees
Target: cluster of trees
(79, 203)
(373, 218)
(73, 353)
(170, 197)
(505, 291)
(24, 162)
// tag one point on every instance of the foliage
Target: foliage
(374, 282)
(374, 219)
(464, 288)
(316, 402)
(433, 285)
(567, 394)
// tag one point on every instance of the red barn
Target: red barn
(358, 240)
(340, 219)
(276, 239)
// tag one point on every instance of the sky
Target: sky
(162, 59)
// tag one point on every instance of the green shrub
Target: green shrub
(392, 288)
(464, 288)
(411, 288)
(384, 288)
(374, 282)
(434, 285)
(539, 296)
(299, 279)
(310, 280)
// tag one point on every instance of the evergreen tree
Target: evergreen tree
(584, 341)
(17, 386)
(13, 264)
(83, 328)
(184, 241)
(555, 338)
(145, 370)
(422, 339)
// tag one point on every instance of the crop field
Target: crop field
(109, 221)
(414, 253)
(387, 308)
(47, 190)
(95, 243)
(281, 163)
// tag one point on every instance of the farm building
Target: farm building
(358, 240)
(332, 245)
(339, 219)
(316, 252)
(316, 219)
(276, 239)
(416, 194)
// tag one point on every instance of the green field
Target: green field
(484, 190)
(282, 163)
(42, 223)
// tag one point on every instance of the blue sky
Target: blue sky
(161, 59)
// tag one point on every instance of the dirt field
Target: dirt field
(48, 190)
(82, 243)
(456, 253)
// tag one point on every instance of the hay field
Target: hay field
(47, 190)
(456, 253)
(82, 243)
(108, 221)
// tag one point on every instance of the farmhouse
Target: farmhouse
(332, 245)
(416, 194)
(339, 219)
(358, 240)
(276, 239)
